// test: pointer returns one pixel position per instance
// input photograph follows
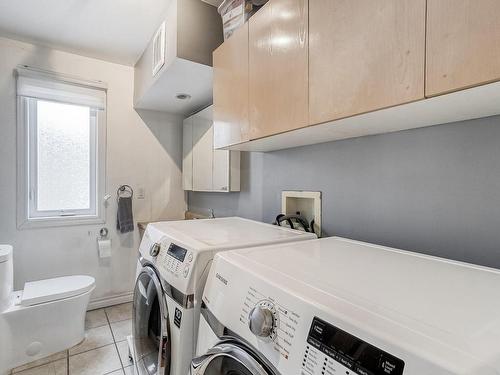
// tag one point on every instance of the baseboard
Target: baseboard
(99, 303)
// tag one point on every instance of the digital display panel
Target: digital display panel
(177, 252)
(352, 352)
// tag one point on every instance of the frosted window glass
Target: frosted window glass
(63, 156)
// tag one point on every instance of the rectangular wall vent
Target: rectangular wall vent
(159, 49)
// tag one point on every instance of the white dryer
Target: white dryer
(339, 307)
(175, 258)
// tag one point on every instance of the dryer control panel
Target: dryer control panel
(332, 351)
(175, 259)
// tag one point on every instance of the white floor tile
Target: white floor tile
(95, 318)
(119, 312)
(59, 367)
(121, 329)
(123, 352)
(42, 361)
(95, 362)
(94, 338)
(129, 370)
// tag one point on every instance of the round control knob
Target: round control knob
(154, 250)
(261, 321)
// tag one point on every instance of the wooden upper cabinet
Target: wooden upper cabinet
(364, 55)
(463, 44)
(278, 54)
(231, 90)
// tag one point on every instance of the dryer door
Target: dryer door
(227, 359)
(150, 325)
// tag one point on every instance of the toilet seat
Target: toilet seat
(37, 292)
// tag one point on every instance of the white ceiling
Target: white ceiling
(113, 30)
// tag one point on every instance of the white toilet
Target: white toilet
(46, 317)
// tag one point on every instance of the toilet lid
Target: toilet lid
(54, 289)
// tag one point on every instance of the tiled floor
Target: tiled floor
(104, 350)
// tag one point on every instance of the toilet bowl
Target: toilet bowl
(46, 317)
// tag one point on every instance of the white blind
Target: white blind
(56, 87)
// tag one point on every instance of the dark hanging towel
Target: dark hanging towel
(124, 217)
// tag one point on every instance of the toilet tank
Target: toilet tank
(6, 275)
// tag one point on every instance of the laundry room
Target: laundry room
(249, 187)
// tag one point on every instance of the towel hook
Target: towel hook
(124, 189)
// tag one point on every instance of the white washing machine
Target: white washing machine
(338, 307)
(175, 258)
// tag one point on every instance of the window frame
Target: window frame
(28, 217)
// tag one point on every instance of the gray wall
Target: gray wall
(434, 190)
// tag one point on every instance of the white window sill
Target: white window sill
(59, 222)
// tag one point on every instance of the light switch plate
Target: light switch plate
(141, 193)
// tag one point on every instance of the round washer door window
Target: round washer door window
(224, 365)
(227, 359)
(151, 341)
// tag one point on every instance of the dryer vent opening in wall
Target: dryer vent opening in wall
(159, 49)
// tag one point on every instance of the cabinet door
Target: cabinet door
(278, 64)
(187, 154)
(364, 55)
(463, 39)
(226, 171)
(231, 90)
(221, 170)
(202, 153)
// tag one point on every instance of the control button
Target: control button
(390, 365)
(190, 257)
(186, 271)
(361, 370)
(317, 330)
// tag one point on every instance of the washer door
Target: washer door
(227, 359)
(150, 325)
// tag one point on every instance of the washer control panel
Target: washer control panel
(332, 351)
(175, 259)
(271, 321)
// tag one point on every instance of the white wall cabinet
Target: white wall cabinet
(203, 161)
(203, 168)
(187, 154)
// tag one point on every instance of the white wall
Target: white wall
(142, 150)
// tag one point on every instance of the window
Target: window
(61, 150)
